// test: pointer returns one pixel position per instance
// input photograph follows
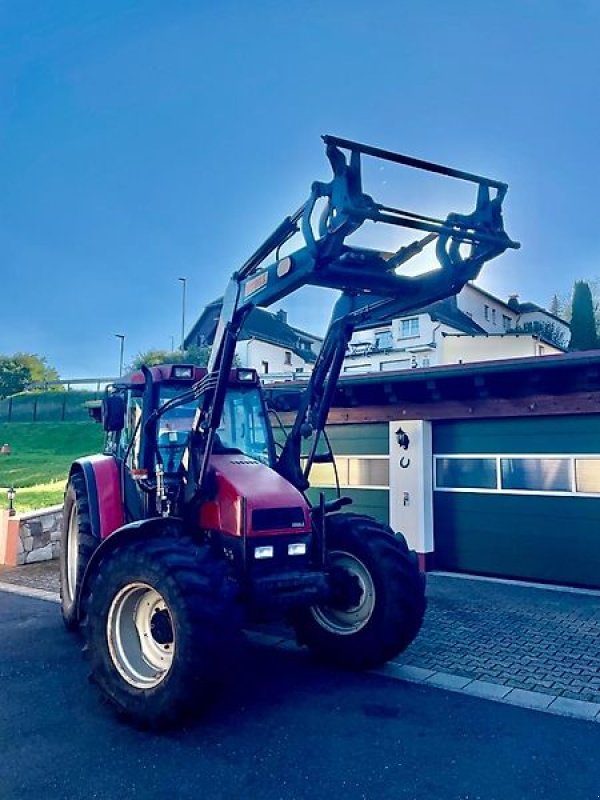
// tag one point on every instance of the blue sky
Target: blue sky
(143, 141)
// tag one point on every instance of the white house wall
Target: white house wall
(468, 349)
(254, 353)
(473, 303)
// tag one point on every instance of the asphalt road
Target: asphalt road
(287, 729)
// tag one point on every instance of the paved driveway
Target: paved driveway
(501, 636)
(287, 729)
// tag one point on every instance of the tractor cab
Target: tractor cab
(149, 415)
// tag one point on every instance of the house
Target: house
(268, 344)
(473, 326)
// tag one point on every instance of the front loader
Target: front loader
(192, 523)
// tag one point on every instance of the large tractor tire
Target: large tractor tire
(380, 600)
(77, 544)
(161, 623)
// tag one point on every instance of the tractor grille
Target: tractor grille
(274, 519)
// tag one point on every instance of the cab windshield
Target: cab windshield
(243, 426)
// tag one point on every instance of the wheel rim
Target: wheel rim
(344, 622)
(72, 552)
(140, 635)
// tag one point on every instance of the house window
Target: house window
(540, 350)
(506, 322)
(357, 368)
(493, 316)
(425, 362)
(486, 312)
(391, 366)
(409, 328)
(383, 340)
(287, 359)
(265, 367)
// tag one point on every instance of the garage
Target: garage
(519, 498)
(505, 463)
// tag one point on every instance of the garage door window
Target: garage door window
(573, 474)
(587, 475)
(465, 473)
(536, 474)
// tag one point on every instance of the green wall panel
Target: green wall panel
(577, 434)
(554, 539)
(370, 439)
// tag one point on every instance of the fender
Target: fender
(103, 485)
(133, 531)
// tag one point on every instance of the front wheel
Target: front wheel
(77, 544)
(161, 622)
(378, 596)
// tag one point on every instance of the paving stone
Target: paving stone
(575, 708)
(527, 699)
(443, 680)
(404, 672)
(486, 689)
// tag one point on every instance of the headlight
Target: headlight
(263, 552)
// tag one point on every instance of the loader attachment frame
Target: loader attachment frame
(368, 279)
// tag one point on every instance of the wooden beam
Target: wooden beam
(474, 408)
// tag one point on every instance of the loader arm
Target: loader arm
(371, 288)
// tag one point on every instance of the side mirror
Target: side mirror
(113, 413)
(94, 409)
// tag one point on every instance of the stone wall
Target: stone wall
(39, 535)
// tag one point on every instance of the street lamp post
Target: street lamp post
(121, 336)
(183, 286)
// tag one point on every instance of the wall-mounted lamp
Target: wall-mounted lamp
(11, 494)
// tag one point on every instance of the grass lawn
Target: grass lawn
(41, 454)
(42, 496)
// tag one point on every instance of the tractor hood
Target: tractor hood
(252, 497)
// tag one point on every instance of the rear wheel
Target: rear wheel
(378, 596)
(77, 545)
(161, 625)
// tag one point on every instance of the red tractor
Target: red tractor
(192, 523)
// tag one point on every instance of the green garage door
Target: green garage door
(519, 498)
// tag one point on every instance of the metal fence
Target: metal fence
(54, 401)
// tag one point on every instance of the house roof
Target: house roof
(445, 311)
(260, 324)
(531, 308)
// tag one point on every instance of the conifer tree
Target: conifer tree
(583, 324)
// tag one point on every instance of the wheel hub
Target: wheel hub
(160, 627)
(346, 589)
(140, 635)
(353, 596)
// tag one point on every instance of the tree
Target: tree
(14, 376)
(556, 307)
(21, 369)
(553, 333)
(39, 369)
(193, 355)
(583, 323)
